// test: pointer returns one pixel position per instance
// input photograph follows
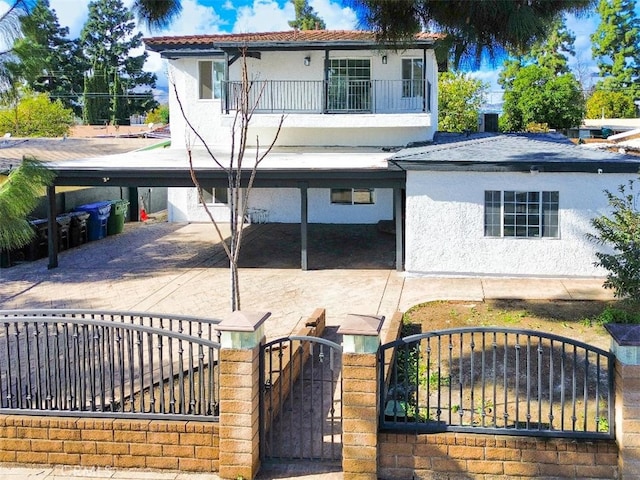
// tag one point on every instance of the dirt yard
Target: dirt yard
(574, 319)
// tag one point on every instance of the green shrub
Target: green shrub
(36, 116)
(159, 115)
(618, 315)
(620, 232)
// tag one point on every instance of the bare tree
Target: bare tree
(236, 171)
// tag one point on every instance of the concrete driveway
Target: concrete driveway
(181, 268)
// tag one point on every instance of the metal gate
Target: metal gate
(301, 400)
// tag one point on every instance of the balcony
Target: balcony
(336, 96)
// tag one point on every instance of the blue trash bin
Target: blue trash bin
(98, 219)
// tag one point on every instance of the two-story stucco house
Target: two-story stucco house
(358, 144)
(345, 98)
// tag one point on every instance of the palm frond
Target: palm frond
(157, 14)
(19, 195)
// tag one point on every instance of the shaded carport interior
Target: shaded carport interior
(297, 168)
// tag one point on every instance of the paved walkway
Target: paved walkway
(178, 268)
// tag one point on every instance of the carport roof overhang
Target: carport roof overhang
(282, 168)
(280, 178)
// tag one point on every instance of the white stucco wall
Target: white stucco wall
(445, 224)
(383, 129)
(283, 206)
(183, 206)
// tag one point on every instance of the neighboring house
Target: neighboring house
(341, 93)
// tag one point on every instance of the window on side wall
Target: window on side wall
(512, 213)
(352, 196)
(210, 77)
(215, 195)
(412, 77)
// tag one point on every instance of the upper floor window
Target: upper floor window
(412, 77)
(210, 77)
(521, 214)
(352, 196)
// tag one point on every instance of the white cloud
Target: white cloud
(195, 19)
(335, 16)
(263, 16)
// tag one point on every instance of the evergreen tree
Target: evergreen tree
(616, 47)
(97, 107)
(118, 102)
(107, 39)
(47, 60)
(306, 17)
(553, 51)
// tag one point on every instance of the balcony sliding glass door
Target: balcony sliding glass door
(349, 87)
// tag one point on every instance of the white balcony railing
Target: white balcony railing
(335, 96)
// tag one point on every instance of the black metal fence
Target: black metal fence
(301, 399)
(113, 364)
(495, 380)
(317, 96)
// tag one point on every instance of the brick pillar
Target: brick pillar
(360, 397)
(625, 345)
(242, 335)
(239, 413)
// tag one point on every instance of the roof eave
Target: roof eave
(174, 50)
(593, 166)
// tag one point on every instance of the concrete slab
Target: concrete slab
(418, 290)
(525, 288)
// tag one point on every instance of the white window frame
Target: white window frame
(356, 196)
(210, 78)
(521, 214)
(215, 196)
(349, 85)
(413, 85)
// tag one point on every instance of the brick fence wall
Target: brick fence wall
(456, 455)
(158, 444)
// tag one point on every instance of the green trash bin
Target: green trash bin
(119, 210)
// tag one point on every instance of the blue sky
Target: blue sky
(217, 16)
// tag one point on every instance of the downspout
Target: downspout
(325, 96)
(424, 83)
(52, 228)
(398, 214)
(225, 91)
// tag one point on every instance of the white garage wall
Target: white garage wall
(283, 206)
(445, 224)
(183, 206)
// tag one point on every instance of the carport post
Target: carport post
(134, 207)
(303, 226)
(52, 227)
(397, 206)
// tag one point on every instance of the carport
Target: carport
(297, 168)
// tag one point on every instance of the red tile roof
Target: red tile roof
(291, 36)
